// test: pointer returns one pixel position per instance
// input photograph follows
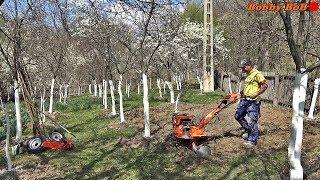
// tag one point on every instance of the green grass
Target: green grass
(98, 153)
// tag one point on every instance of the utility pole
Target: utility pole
(208, 47)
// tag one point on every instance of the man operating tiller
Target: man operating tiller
(248, 110)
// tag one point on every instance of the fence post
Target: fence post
(276, 90)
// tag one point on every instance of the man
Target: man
(248, 110)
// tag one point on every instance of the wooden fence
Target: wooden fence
(279, 90)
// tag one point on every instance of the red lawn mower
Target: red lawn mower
(192, 131)
(54, 139)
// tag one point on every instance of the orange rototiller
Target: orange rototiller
(188, 128)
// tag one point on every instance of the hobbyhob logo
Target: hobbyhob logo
(312, 6)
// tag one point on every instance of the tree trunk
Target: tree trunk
(60, 94)
(298, 103)
(146, 106)
(177, 82)
(79, 90)
(314, 98)
(51, 97)
(150, 82)
(159, 87)
(229, 83)
(100, 90)
(1, 103)
(95, 88)
(113, 112)
(9, 163)
(164, 88)
(121, 100)
(139, 87)
(171, 91)
(65, 94)
(18, 111)
(129, 86)
(90, 91)
(177, 101)
(42, 105)
(105, 93)
(200, 83)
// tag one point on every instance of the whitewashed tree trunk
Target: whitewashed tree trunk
(65, 94)
(314, 98)
(8, 97)
(51, 97)
(177, 101)
(79, 90)
(60, 94)
(164, 88)
(126, 87)
(298, 103)
(43, 107)
(150, 83)
(200, 83)
(18, 111)
(139, 87)
(100, 90)
(159, 87)
(129, 86)
(171, 91)
(177, 83)
(95, 89)
(90, 91)
(7, 145)
(146, 106)
(105, 94)
(113, 109)
(1, 103)
(229, 83)
(121, 100)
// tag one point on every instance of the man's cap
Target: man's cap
(244, 63)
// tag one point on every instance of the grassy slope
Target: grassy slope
(98, 154)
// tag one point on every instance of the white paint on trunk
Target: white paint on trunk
(1, 103)
(7, 145)
(177, 101)
(150, 82)
(314, 98)
(129, 86)
(121, 100)
(159, 87)
(60, 94)
(105, 94)
(95, 88)
(18, 111)
(171, 91)
(229, 85)
(113, 108)
(65, 94)
(164, 88)
(51, 97)
(90, 91)
(298, 103)
(42, 107)
(100, 90)
(139, 87)
(146, 106)
(126, 87)
(79, 90)
(200, 81)
(177, 83)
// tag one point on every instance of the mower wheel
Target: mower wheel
(56, 135)
(34, 145)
